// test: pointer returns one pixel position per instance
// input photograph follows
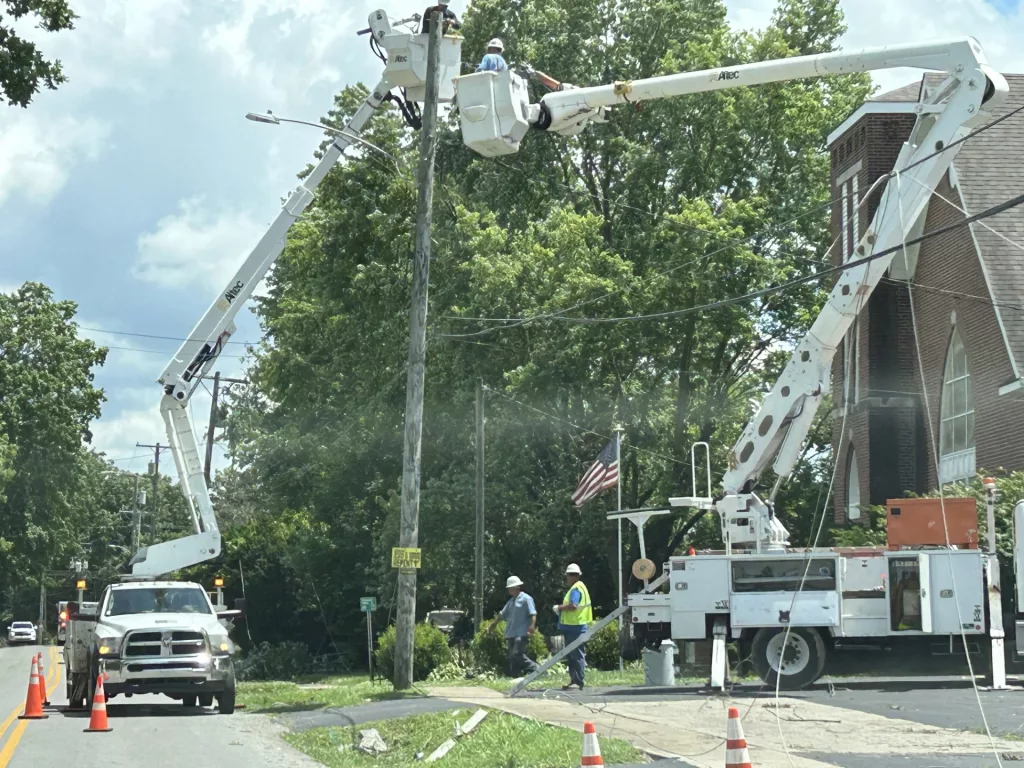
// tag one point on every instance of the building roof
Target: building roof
(990, 170)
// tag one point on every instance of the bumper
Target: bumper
(197, 674)
(21, 639)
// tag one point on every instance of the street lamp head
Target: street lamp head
(267, 118)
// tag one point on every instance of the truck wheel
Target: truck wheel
(226, 698)
(802, 661)
(205, 699)
(189, 700)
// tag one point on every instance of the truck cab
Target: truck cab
(152, 637)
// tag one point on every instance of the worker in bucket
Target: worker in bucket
(493, 61)
(449, 20)
(520, 615)
(574, 615)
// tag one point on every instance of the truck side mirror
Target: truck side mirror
(72, 609)
(240, 605)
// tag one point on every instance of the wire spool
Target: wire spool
(643, 569)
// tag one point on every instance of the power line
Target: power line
(994, 210)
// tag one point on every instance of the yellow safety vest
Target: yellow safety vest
(582, 615)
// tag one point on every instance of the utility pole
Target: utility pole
(409, 535)
(213, 424)
(217, 379)
(478, 613)
(42, 607)
(136, 520)
(156, 484)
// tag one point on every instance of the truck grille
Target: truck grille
(148, 644)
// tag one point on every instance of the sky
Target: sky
(137, 188)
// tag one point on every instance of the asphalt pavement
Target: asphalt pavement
(147, 730)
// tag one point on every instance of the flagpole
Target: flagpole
(618, 483)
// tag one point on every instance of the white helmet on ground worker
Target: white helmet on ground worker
(496, 43)
(573, 568)
(513, 581)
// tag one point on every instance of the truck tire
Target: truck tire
(189, 699)
(226, 698)
(803, 660)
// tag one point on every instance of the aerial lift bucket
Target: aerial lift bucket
(493, 111)
(407, 64)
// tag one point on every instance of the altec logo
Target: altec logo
(725, 74)
(233, 291)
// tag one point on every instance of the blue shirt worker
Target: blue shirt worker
(574, 614)
(493, 61)
(520, 615)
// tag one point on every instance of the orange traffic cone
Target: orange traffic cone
(736, 753)
(98, 716)
(42, 682)
(591, 749)
(33, 705)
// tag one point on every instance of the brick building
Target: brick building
(968, 301)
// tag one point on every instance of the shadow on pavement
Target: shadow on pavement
(139, 710)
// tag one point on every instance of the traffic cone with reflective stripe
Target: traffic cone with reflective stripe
(736, 753)
(591, 749)
(98, 716)
(33, 705)
(42, 682)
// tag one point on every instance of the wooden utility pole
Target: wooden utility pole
(478, 608)
(405, 622)
(153, 508)
(213, 424)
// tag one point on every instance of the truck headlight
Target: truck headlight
(221, 645)
(108, 648)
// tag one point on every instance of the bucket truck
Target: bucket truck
(787, 608)
(152, 635)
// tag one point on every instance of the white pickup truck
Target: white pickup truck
(152, 637)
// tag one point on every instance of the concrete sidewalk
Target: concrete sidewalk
(693, 728)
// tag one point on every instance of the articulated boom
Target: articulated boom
(495, 115)
(406, 68)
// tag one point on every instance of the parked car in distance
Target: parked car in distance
(21, 632)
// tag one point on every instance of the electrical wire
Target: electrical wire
(782, 287)
(942, 501)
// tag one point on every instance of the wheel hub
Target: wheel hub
(791, 658)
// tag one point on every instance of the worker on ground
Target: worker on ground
(574, 615)
(493, 61)
(520, 615)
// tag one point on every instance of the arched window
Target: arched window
(852, 487)
(956, 430)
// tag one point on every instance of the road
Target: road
(185, 736)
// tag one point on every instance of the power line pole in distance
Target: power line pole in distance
(156, 485)
(405, 622)
(478, 612)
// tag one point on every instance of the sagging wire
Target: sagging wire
(933, 443)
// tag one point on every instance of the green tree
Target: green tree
(23, 68)
(671, 206)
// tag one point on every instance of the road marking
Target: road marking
(7, 752)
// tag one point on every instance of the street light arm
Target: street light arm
(200, 351)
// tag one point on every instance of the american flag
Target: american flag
(602, 475)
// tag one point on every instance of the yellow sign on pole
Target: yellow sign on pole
(402, 557)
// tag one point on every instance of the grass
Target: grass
(500, 741)
(343, 691)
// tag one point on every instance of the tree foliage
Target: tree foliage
(23, 68)
(671, 206)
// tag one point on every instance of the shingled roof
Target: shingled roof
(990, 170)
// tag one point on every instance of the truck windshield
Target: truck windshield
(22, 625)
(157, 600)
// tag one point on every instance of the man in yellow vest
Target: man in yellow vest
(574, 615)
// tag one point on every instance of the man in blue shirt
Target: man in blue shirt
(520, 615)
(493, 61)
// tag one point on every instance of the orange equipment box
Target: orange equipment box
(918, 522)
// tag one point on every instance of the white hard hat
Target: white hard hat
(573, 568)
(496, 43)
(513, 581)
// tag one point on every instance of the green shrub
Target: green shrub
(430, 650)
(603, 648)
(490, 651)
(283, 661)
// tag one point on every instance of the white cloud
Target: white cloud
(37, 154)
(883, 22)
(196, 246)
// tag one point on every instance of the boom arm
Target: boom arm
(202, 348)
(946, 114)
